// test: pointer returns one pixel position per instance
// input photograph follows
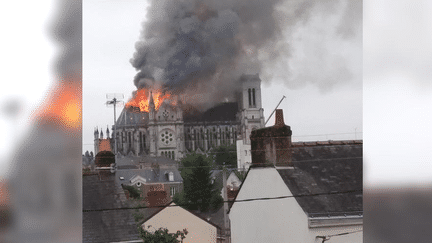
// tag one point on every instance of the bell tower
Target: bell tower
(252, 113)
(251, 116)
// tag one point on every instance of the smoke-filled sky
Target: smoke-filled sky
(396, 91)
(311, 53)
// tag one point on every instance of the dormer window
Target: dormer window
(171, 176)
(138, 184)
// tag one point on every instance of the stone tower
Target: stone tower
(252, 113)
(251, 116)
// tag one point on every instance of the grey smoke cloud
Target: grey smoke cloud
(204, 46)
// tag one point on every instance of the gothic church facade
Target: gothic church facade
(176, 130)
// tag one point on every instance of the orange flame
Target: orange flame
(63, 106)
(141, 99)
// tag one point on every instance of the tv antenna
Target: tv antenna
(115, 99)
(274, 110)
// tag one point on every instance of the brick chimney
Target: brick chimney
(272, 145)
(279, 122)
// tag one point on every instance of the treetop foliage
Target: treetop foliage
(161, 235)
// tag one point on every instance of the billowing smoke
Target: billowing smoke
(203, 46)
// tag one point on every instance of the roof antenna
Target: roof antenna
(274, 110)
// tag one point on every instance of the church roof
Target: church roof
(226, 111)
(132, 116)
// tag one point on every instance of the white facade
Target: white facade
(278, 220)
(244, 156)
(177, 218)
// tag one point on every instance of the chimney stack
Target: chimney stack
(272, 145)
(279, 122)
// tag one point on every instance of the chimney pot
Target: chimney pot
(279, 122)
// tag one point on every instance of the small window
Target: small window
(171, 176)
(172, 191)
(139, 184)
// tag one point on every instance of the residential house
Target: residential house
(105, 218)
(299, 192)
(147, 181)
(174, 218)
(232, 182)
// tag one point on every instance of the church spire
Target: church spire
(96, 133)
(151, 102)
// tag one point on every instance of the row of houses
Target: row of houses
(293, 192)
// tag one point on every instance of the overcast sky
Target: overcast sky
(393, 101)
(314, 110)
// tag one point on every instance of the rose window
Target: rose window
(166, 137)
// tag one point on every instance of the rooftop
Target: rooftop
(322, 169)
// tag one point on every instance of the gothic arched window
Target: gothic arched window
(250, 100)
(253, 98)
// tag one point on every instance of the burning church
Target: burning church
(195, 87)
(160, 124)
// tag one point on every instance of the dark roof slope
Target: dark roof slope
(148, 174)
(327, 169)
(131, 116)
(302, 151)
(106, 225)
(222, 112)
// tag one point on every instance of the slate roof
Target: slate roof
(132, 116)
(106, 225)
(128, 162)
(303, 151)
(147, 174)
(327, 169)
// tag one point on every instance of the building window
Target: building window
(250, 99)
(253, 98)
(171, 176)
(172, 191)
(139, 184)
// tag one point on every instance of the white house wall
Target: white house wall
(244, 156)
(233, 180)
(176, 218)
(277, 220)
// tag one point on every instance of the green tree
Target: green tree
(161, 235)
(198, 191)
(133, 192)
(225, 154)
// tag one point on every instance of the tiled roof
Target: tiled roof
(147, 174)
(305, 151)
(327, 169)
(136, 160)
(111, 225)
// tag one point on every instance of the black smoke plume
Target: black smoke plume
(203, 46)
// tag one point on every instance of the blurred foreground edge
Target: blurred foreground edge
(41, 196)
